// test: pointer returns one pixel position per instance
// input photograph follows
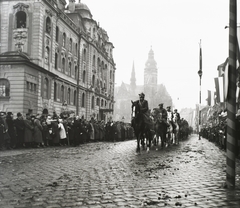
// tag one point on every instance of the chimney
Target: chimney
(71, 6)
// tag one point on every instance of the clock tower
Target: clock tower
(150, 79)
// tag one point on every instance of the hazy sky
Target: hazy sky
(173, 28)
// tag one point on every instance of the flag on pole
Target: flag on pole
(219, 89)
(211, 98)
(200, 57)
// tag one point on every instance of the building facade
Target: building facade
(53, 58)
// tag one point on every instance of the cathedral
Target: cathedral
(155, 93)
(54, 57)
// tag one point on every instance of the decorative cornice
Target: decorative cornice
(21, 6)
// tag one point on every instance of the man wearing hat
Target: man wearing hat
(163, 113)
(143, 104)
(4, 136)
(176, 115)
(19, 124)
(11, 129)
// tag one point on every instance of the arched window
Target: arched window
(102, 103)
(56, 61)
(83, 100)
(63, 64)
(94, 61)
(110, 75)
(98, 65)
(84, 55)
(47, 55)
(21, 19)
(70, 68)
(76, 47)
(84, 76)
(64, 40)
(93, 102)
(69, 96)
(55, 91)
(48, 25)
(76, 72)
(98, 101)
(105, 103)
(70, 45)
(45, 88)
(57, 34)
(93, 80)
(75, 97)
(62, 93)
(4, 88)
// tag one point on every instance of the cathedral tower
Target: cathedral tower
(133, 81)
(150, 79)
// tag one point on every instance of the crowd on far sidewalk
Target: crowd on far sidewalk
(43, 130)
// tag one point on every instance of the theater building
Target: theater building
(53, 58)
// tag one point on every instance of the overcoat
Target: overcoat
(28, 133)
(37, 133)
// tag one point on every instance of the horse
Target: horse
(170, 132)
(160, 128)
(175, 131)
(141, 128)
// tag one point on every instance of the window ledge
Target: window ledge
(6, 98)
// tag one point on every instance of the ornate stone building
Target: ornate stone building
(54, 57)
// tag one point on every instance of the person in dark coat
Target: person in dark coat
(37, 133)
(4, 136)
(77, 131)
(19, 124)
(144, 109)
(28, 131)
(11, 130)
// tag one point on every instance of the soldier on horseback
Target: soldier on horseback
(143, 105)
(162, 113)
(170, 116)
(176, 115)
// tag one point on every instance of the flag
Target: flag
(225, 79)
(200, 57)
(211, 98)
(219, 89)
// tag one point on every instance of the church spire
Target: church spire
(133, 79)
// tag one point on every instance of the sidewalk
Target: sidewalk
(103, 174)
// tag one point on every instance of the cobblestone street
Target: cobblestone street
(191, 174)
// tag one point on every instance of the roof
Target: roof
(14, 56)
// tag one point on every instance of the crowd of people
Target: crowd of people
(42, 130)
(216, 132)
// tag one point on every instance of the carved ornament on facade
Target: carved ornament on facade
(20, 37)
(49, 12)
(57, 49)
(21, 7)
(47, 41)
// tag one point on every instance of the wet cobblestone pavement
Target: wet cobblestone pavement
(190, 174)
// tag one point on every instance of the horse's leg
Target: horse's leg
(138, 143)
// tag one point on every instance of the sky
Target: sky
(173, 29)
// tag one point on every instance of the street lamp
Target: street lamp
(199, 115)
(200, 77)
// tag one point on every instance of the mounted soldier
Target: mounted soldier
(176, 116)
(144, 109)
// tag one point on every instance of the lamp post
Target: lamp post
(199, 115)
(200, 77)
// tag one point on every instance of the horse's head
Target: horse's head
(135, 109)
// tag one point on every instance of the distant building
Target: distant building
(155, 93)
(54, 59)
